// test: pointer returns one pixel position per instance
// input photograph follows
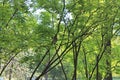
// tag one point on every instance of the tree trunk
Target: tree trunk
(98, 74)
(106, 43)
(10, 72)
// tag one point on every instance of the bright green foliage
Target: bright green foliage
(63, 36)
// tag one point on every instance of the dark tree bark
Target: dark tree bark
(106, 41)
(98, 74)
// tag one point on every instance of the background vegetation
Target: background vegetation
(59, 39)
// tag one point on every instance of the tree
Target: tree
(71, 38)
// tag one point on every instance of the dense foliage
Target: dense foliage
(59, 39)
